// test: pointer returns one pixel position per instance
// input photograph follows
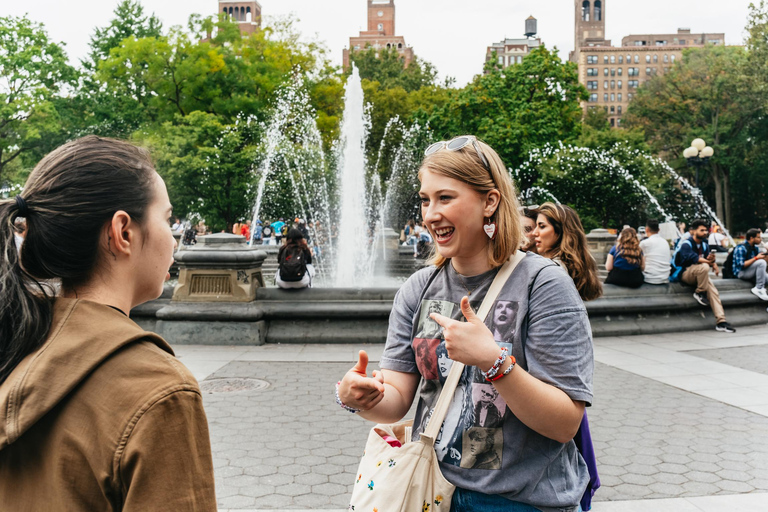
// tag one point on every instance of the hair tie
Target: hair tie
(22, 204)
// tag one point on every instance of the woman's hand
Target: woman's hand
(359, 391)
(468, 342)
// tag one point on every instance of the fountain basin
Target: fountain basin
(347, 315)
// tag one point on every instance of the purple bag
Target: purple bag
(583, 440)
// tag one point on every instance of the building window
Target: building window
(613, 96)
(357, 47)
(618, 122)
(605, 84)
(620, 71)
(647, 58)
(613, 71)
(605, 59)
(633, 71)
(629, 96)
(591, 71)
(682, 42)
(639, 43)
(501, 60)
(647, 71)
(613, 110)
(632, 84)
(655, 59)
(593, 98)
(591, 59)
(613, 123)
(629, 58)
(666, 69)
(519, 59)
(619, 97)
(598, 10)
(585, 10)
(613, 59)
(605, 71)
(637, 58)
(661, 43)
(666, 58)
(613, 84)
(592, 84)
(605, 97)
(621, 59)
(673, 58)
(619, 86)
(381, 26)
(618, 109)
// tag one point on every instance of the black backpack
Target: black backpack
(293, 264)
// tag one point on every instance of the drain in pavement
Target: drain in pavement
(232, 385)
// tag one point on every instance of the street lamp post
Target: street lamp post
(698, 155)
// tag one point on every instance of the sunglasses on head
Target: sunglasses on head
(457, 144)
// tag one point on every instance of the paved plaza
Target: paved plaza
(680, 422)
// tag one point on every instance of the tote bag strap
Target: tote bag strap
(457, 368)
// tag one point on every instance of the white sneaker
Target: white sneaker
(760, 292)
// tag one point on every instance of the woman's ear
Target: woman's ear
(120, 234)
(492, 200)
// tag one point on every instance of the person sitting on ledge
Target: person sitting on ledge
(657, 255)
(626, 262)
(695, 257)
(749, 263)
(295, 262)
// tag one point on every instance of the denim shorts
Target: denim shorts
(465, 500)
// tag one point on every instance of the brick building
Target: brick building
(612, 74)
(380, 33)
(513, 51)
(247, 14)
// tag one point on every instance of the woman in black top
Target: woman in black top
(295, 262)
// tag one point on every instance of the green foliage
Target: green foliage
(704, 95)
(517, 109)
(596, 133)
(129, 20)
(33, 70)
(207, 166)
(603, 185)
(387, 67)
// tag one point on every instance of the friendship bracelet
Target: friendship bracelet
(506, 372)
(342, 404)
(495, 368)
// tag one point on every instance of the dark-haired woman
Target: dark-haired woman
(96, 414)
(560, 237)
(294, 259)
(625, 262)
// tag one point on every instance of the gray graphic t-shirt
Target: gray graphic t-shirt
(482, 446)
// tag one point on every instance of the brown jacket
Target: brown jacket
(103, 417)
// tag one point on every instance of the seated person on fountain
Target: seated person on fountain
(749, 263)
(657, 255)
(717, 240)
(696, 258)
(295, 268)
(626, 261)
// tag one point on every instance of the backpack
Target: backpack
(675, 271)
(284, 230)
(293, 264)
(728, 265)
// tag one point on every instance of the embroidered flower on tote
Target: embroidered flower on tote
(438, 499)
(370, 485)
(391, 462)
(379, 463)
(359, 477)
(425, 507)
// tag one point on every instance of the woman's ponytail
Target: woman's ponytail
(25, 305)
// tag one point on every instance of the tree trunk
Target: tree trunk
(718, 177)
(727, 199)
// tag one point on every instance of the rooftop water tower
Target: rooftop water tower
(530, 27)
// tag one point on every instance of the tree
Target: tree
(129, 20)
(206, 165)
(517, 109)
(33, 70)
(701, 96)
(387, 67)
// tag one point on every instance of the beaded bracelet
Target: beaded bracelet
(506, 372)
(495, 368)
(342, 404)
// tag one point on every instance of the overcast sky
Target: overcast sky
(451, 34)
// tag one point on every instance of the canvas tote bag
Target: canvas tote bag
(408, 478)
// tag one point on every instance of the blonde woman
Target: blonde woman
(625, 262)
(470, 208)
(560, 237)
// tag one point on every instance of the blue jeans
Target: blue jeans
(465, 500)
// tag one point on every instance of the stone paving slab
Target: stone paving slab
(752, 358)
(291, 447)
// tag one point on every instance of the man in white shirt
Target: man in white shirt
(657, 254)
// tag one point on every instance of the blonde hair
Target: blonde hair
(466, 166)
(571, 248)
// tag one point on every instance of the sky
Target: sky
(451, 34)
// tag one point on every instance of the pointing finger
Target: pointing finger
(443, 321)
